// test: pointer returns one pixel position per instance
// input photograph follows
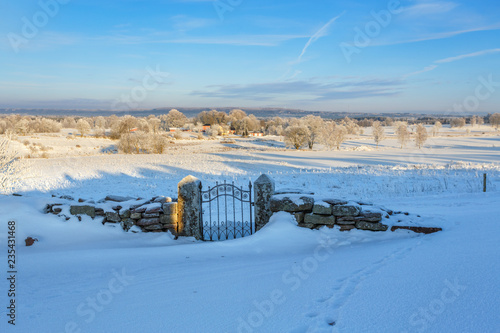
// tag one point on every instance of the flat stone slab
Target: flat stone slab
(421, 230)
(335, 201)
(345, 221)
(82, 210)
(292, 191)
(319, 219)
(117, 198)
(346, 210)
(291, 203)
(146, 222)
(371, 226)
(153, 227)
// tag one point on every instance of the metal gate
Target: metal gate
(226, 212)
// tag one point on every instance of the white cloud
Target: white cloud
(468, 55)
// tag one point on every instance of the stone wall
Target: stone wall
(156, 215)
(312, 212)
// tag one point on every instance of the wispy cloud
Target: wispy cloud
(424, 8)
(242, 40)
(434, 36)
(468, 55)
(323, 31)
(311, 89)
(452, 59)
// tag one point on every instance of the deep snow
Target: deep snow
(281, 279)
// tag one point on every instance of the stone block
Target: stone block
(168, 219)
(146, 222)
(125, 214)
(149, 215)
(347, 227)
(136, 216)
(371, 226)
(153, 227)
(113, 217)
(335, 202)
(345, 220)
(346, 210)
(322, 208)
(117, 198)
(127, 224)
(291, 204)
(369, 216)
(82, 210)
(319, 219)
(170, 208)
(299, 217)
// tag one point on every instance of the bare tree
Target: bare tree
(436, 128)
(420, 135)
(296, 136)
(402, 133)
(378, 132)
(83, 127)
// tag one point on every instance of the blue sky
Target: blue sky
(367, 56)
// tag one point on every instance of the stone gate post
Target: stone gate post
(189, 207)
(263, 190)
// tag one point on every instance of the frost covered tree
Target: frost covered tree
(436, 128)
(123, 126)
(333, 135)
(457, 122)
(10, 166)
(315, 124)
(154, 124)
(420, 135)
(495, 120)
(402, 133)
(378, 132)
(296, 136)
(176, 118)
(83, 127)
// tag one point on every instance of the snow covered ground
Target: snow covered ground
(83, 277)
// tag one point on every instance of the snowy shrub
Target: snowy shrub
(296, 136)
(157, 143)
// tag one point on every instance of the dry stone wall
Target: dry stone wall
(312, 212)
(159, 214)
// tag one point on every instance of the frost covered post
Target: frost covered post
(189, 207)
(263, 191)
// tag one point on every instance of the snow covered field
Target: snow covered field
(83, 277)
